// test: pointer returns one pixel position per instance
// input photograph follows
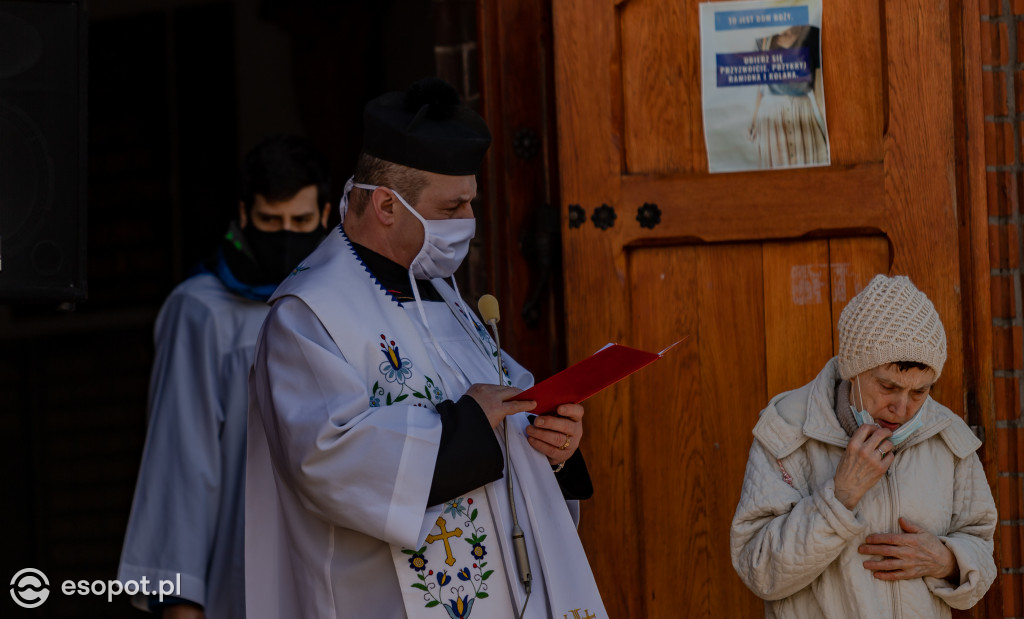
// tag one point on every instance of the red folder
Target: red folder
(582, 380)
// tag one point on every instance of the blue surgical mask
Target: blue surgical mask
(901, 433)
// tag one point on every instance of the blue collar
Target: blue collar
(222, 272)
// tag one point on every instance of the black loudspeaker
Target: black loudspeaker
(42, 150)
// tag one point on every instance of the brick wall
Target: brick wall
(1002, 40)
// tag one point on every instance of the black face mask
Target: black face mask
(278, 253)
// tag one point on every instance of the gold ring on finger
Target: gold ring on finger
(565, 445)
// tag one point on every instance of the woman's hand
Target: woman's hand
(867, 457)
(913, 554)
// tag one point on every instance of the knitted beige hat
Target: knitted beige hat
(890, 320)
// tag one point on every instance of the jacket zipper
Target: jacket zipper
(894, 522)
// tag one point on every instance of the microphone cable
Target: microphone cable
(488, 306)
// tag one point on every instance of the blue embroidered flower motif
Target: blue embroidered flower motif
(463, 574)
(453, 507)
(394, 368)
(443, 578)
(479, 552)
(437, 394)
(418, 562)
(459, 607)
(374, 401)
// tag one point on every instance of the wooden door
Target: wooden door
(753, 268)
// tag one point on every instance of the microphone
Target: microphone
(488, 306)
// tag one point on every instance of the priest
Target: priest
(187, 517)
(392, 471)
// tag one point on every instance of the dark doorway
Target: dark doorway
(178, 91)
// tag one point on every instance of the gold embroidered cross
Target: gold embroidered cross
(576, 614)
(444, 538)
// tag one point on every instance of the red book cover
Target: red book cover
(582, 380)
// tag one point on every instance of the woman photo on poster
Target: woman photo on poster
(788, 128)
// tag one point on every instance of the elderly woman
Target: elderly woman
(863, 497)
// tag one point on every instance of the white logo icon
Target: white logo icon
(29, 588)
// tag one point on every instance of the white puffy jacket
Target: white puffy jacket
(795, 545)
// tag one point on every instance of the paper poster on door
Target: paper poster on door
(763, 96)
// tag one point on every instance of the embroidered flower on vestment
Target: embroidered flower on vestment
(374, 401)
(394, 368)
(479, 552)
(459, 607)
(463, 574)
(482, 332)
(418, 562)
(443, 578)
(453, 507)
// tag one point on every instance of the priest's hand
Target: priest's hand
(867, 457)
(498, 402)
(557, 436)
(913, 554)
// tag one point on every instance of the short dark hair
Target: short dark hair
(279, 167)
(903, 366)
(371, 170)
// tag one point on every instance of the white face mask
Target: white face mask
(445, 241)
(901, 433)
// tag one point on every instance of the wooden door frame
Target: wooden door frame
(519, 183)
